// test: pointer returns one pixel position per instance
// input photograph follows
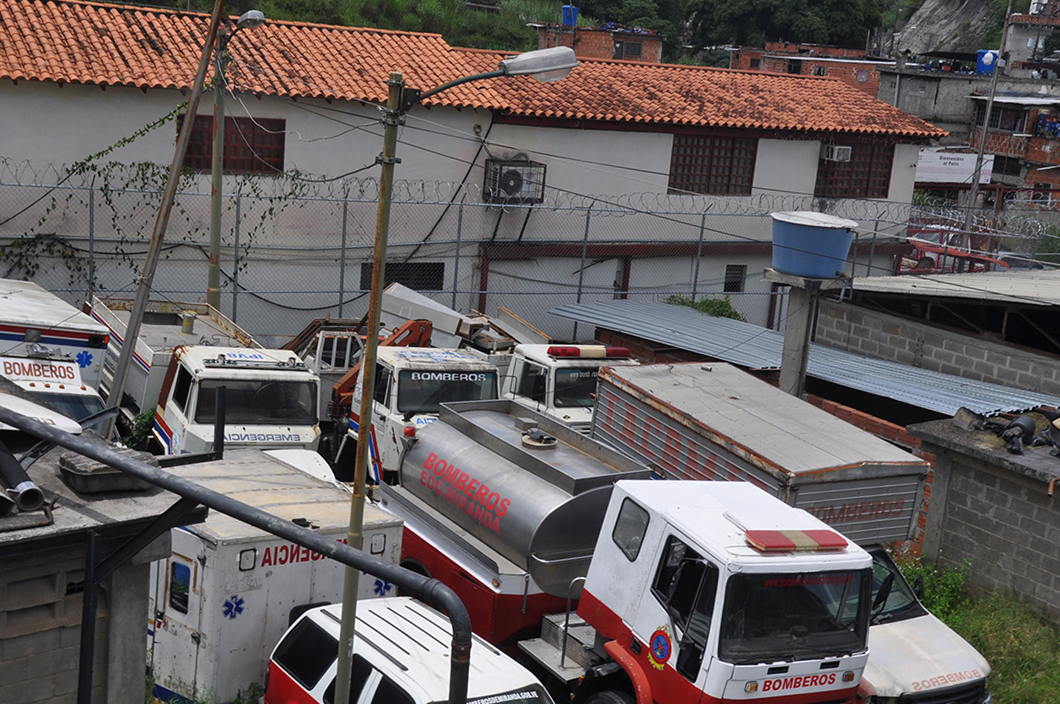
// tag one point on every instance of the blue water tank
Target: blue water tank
(986, 61)
(570, 15)
(813, 245)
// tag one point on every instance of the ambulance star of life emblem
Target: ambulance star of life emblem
(233, 607)
(382, 587)
(84, 359)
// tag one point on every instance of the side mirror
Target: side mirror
(918, 587)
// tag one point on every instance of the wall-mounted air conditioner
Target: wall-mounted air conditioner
(832, 152)
(514, 181)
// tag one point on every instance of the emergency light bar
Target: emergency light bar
(223, 361)
(771, 541)
(588, 351)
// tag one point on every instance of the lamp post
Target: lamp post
(250, 20)
(545, 65)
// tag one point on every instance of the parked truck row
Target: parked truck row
(719, 539)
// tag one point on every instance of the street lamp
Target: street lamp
(250, 20)
(546, 65)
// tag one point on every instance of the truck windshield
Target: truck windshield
(259, 401)
(900, 603)
(422, 391)
(76, 406)
(575, 388)
(786, 617)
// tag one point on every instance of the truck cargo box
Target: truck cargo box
(714, 421)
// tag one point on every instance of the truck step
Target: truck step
(580, 638)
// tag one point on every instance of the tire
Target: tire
(611, 696)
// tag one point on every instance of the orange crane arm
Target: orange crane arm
(411, 333)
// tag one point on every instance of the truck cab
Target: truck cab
(270, 399)
(411, 383)
(719, 592)
(916, 657)
(560, 380)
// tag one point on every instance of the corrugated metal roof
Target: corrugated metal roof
(755, 347)
(1040, 287)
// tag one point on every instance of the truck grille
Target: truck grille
(964, 694)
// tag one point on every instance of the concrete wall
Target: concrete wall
(40, 626)
(995, 516)
(884, 336)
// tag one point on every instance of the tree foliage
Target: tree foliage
(754, 22)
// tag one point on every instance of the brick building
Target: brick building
(603, 42)
(850, 66)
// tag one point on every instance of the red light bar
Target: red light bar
(588, 351)
(794, 540)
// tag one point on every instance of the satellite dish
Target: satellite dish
(511, 182)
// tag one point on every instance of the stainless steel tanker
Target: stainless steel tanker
(528, 487)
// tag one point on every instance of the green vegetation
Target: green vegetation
(1022, 647)
(1049, 244)
(711, 305)
(140, 433)
(753, 22)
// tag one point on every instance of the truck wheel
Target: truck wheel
(612, 696)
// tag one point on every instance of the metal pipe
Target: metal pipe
(581, 269)
(566, 622)
(235, 259)
(427, 588)
(89, 603)
(213, 280)
(456, 257)
(699, 256)
(27, 495)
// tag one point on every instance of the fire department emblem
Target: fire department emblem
(659, 647)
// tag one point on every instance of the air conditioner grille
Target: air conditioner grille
(514, 182)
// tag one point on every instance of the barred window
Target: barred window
(1001, 118)
(712, 165)
(866, 175)
(252, 146)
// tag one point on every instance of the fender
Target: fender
(632, 668)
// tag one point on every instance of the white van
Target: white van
(401, 656)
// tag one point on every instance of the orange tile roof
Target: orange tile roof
(118, 45)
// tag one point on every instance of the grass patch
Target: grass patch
(1022, 646)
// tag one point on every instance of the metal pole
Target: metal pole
(391, 121)
(91, 238)
(699, 256)
(154, 250)
(342, 254)
(973, 193)
(581, 270)
(213, 283)
(872, 248)
(89, 603)
(456, 258)
(235, 258)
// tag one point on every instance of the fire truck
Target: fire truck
(686, 591)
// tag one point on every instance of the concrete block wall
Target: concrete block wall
(40, 617)
(883, 336)
(1007, 526)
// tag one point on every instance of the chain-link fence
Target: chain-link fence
(294, 249)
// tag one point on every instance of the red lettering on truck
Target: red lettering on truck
(948, 678)
(798, 682)
(465, 493)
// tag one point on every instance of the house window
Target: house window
(735, 274)
(252, 145)
(1007, 166)
(628, 50)
(756, 63)
(419, 276)
(818, 70)
(866, 175)
(794, 65)
(1041, 193)
(1001, 118)
(712, 165)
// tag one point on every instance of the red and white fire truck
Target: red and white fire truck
(708, 591)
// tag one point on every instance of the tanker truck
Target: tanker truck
(716, 422)
(686, 592)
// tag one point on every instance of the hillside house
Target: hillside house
(719, 149)
(851, 66)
